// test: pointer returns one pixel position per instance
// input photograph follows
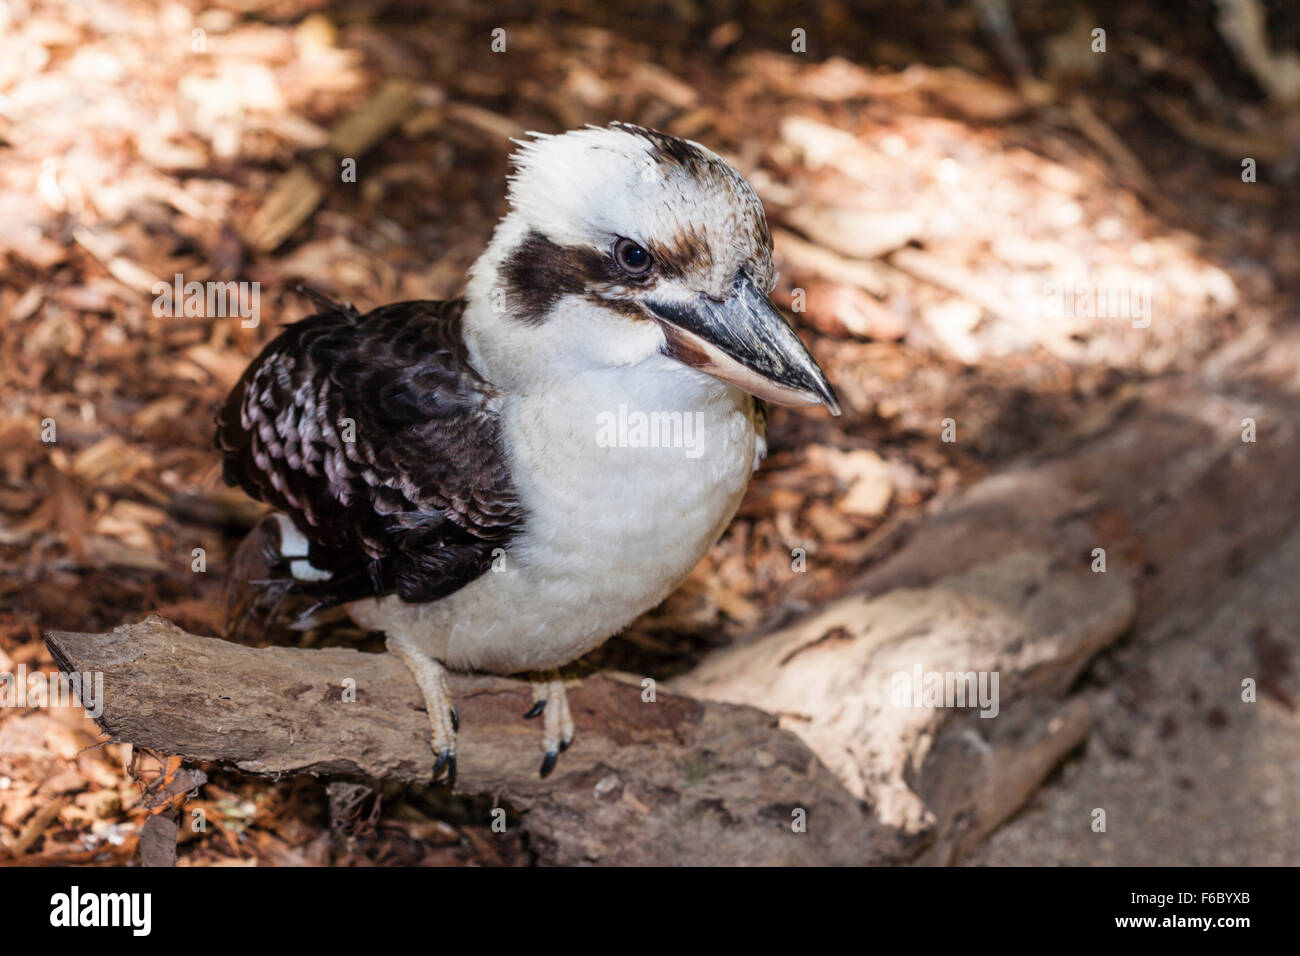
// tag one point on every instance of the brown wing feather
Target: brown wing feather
(376, 437)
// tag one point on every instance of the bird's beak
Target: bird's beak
(744, 340)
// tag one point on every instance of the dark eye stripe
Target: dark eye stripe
(538, 272)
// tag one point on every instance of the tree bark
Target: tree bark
(673, 781)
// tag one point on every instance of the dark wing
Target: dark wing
(380, 442)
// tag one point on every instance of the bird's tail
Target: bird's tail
(264, 603)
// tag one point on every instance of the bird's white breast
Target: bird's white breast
(611, 528)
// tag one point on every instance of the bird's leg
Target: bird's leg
(431, 678)
(551, 703)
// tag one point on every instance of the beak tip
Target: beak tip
(829, 399)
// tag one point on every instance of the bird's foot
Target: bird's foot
(431, 677)
(551, 703)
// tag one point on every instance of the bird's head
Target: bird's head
(627, 247)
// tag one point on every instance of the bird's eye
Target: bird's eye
(631, 258)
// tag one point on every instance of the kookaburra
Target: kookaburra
(445, 470)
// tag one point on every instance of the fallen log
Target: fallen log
(674, 779)
(872, 682)
(662, 782)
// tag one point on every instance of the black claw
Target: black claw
(535, 710)
(564, 745)
(548, 762)
(446, 758)
(455, 718)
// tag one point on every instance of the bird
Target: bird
(474, 477)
